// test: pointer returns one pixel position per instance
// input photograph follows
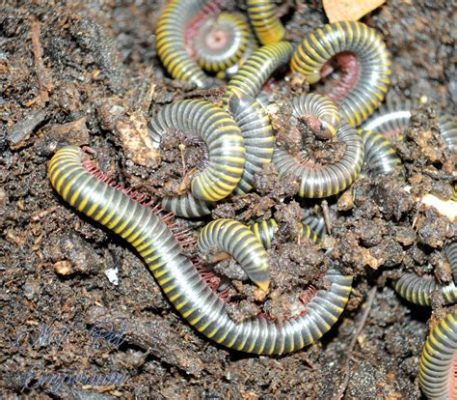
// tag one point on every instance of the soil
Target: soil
(81, 318)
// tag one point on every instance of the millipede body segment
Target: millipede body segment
(253, 74)
(317, 181)
(264, 20)
(451, 254)
(419, 290)
(380, 154)
(391, 119)
(179, 279)
(437, 369)
(171, 46)
(223, 139)
(187, 206)
(258, 137)
(361, 90)
(265, 231)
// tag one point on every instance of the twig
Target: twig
(368, 304)
(44, 81)
(327, 217)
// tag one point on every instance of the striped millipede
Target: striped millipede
(187, 206)
(380, 154)
(418, 290)
(316, 224)
(223, 138)
(392, 119)
(437, 369)
(317, 181)
(250, 48)
(221, 41)
(179, 279)
(451, 254)
(360, 91)
(239, 241)
(253, 74)
(171, 46)
(266, 24)
(448, 130)
(259, 141)
(321, 114)
(265, 231)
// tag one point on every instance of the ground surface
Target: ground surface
(86, 72)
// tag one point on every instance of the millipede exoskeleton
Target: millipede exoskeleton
(316, 180)
(362, 57)
(419, 290)
(238, 240)
(380, 154)
(258, 136)
(223, 139)
(171, 45)
(438, 363)
(221, 41)
(178, 277)
(264, 20)
(253, 74)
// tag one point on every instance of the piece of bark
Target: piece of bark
(349, 10)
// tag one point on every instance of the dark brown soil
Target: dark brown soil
(80, 315)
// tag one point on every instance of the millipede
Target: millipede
(393, 118)
(239, 241)
(265, 232)
(418, 290)
(437, 368)
(223, 139)
(315, 180)
(451, 254)
(264, 20)
(171, 46)
(380, 154)
(221, 41)
(364, 61)
(178, 278)
(253, 74)
(258, 137)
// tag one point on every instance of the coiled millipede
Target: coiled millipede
(253, 74)
(380, 154)
(258, 137)
(315, 180)
(223, 139)
(265, 231)
(363, 58)
(437, 369)
(266, 24)
(239, 241)
(178, 277)
(221, 41)
(171, 46)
